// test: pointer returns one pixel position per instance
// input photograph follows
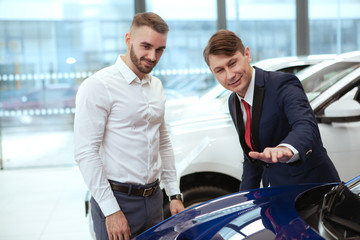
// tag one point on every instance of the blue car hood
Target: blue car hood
(266, 213)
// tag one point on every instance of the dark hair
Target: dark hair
(151, 20)
(223, 42)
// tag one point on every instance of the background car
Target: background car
(304, 211)
(207, 150)
(59, 96)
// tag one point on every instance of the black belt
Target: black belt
(144, 191)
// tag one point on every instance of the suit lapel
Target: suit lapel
(259, 91)
(239, 123)
(238, 115)
(256, 114)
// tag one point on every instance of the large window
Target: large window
(266, 27)
(336, 29)
(182, 67)
(47, 48)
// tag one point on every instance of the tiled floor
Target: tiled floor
(43, 204)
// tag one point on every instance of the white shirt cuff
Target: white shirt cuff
(172, 188)
(296, 155)
(109, 206)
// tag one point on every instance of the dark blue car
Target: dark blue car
(307, 211)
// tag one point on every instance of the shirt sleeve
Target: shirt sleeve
(92, 108)
(168, 170)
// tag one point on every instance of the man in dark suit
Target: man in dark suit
(281, 141)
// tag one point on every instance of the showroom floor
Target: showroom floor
(43, 204)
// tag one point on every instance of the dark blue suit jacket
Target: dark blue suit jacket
(281, 113)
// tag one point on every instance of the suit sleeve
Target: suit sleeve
(295, 105)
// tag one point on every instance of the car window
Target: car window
(58, 94)
(34, 97)
(294, 69)
(351, 94)
(321, 80)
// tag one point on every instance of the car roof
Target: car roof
(274, 64)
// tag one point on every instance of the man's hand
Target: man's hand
(176, 206)
(117, 226)
(273, 155)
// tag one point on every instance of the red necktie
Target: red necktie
(247, 125)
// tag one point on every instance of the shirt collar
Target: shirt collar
(249, 95)
(129, 75)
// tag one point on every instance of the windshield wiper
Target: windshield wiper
(340, 207)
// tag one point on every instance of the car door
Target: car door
(339, 122)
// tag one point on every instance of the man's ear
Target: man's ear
(127, 39)
(247, 54)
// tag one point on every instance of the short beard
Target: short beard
(137, 63)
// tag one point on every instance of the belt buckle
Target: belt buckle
(148, 192)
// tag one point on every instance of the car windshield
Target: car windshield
(318, 78)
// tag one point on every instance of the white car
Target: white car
(207, 150)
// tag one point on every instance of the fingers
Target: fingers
(273, 155)
(269, 155)
(176, 206)
(119, 235)
(117, 227)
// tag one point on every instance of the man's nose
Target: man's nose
(152, 55)
(229, 74)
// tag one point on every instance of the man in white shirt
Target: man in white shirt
(119, 132)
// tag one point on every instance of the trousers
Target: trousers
(141, 213)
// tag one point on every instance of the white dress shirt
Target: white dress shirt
(119, 131)
(249, 97)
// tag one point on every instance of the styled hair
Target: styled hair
(223, 42)
(151, 20)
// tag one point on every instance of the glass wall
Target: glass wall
(182, 67)
(336, 30)
(268, 28)
(48, 48)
